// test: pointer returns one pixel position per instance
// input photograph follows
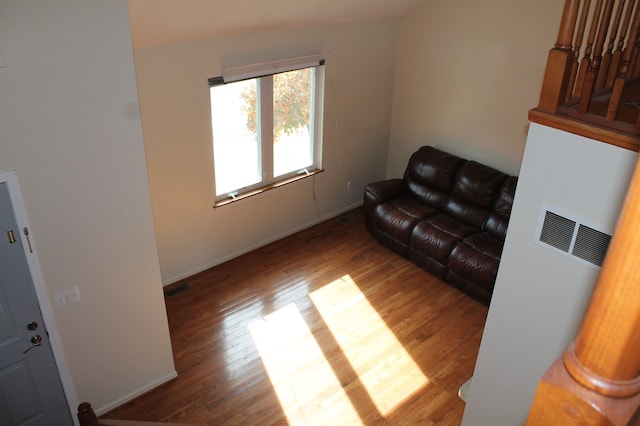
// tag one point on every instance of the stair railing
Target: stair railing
(87, 417)
(591, 71)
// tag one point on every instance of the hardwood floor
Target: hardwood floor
(323, 327)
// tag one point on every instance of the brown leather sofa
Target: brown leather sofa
(448, 215)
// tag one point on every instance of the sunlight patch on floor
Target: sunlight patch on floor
(375, 354)
(301, 376)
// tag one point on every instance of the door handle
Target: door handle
(36, 341)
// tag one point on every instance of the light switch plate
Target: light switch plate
(70, 295)
(2, 62)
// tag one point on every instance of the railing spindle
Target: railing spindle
(568, 24)
(604, 16)
(575, 82)
(635, 61)
(617, 55)
(586, 57)
(608, 55)
(621, 77)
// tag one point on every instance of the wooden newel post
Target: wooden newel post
(608, 343)
(86, 415)
(597, 381)
(558, 72)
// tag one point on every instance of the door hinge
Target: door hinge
(26, 234)
(11, 236)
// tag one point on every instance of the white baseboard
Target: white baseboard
(260, 244)
(118, 402)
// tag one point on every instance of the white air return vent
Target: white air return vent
(572, 236)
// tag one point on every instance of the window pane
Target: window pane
(292, 127)
(234, 119)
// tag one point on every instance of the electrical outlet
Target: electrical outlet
(65, 297)
(349, 185)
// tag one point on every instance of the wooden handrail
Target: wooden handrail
(87, 417)
(597, 380)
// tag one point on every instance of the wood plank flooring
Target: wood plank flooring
(324, 327)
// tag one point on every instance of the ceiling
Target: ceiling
(157, 22)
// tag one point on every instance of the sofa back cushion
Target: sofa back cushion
(498, 219)
(474, 192)
(430, 175)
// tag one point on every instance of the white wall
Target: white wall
(467, 73)
(541, 296)
(69, 125)
(174, 96)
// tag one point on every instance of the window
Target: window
(267, 125)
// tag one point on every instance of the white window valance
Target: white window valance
(272, 67)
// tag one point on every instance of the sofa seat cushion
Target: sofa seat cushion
(430, 247)
(426, 238)
(451, 226)
(438, 235)
(394, 221)
(475, 262)
(432, 241)
(410, 207)
(486, 244)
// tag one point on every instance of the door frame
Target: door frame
(10, 177)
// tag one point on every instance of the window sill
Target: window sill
(262, 189)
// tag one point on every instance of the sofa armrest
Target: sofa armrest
(383, 191)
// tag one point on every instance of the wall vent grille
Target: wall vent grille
(557, 231)
(568, 234)
(591, 245)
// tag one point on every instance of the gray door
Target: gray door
(30, 389)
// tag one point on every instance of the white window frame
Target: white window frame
(264, 72)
